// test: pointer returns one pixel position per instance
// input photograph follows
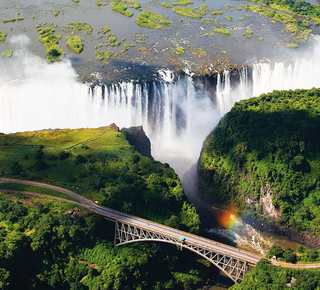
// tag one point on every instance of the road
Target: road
(159, 228)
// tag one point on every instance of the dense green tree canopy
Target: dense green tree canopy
(268, 145)
(266, 276)
(44, 247)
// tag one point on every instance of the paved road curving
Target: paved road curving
(155, 227)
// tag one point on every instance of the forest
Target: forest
(267, 276)
(44, 247)
(50, 244)
(268, 147)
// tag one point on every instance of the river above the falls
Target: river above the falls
(138, 52)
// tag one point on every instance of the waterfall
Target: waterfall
(300, 74)
(176, 114)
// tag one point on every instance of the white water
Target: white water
(176, 117)
(35, 95)
(246, 237)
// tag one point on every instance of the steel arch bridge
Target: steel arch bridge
(235, 268)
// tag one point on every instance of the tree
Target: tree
(63, 155)
(312, 255)
(15, 168)
(40, 165)
(301, 249)
(54, 53)
(4, 278)
(290, 256)
(80, 159)
(135, 158)
(190, 218)
(39, 153)
(275, 250)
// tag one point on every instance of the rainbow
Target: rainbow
(228, 218)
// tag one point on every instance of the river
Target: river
(140, 87)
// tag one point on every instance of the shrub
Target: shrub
(3, 36)
(179, 50)
(134, 4)
(15, 168)
(275, 250)
(105, 30)
(216, 12)
(80, 159)
(292, 45)
(182, 3)
(222, 31)
(63, 155)
(8, 53)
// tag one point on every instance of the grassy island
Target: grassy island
(186, 11)
(75, 44)
(149, 19)
(222, 31)
(50, 42)
(121, 8)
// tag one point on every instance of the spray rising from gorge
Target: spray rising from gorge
(177, 113)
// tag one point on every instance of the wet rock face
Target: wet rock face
(266, 201)
(137, 137)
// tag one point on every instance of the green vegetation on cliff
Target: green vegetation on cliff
(265, 156)
(102, 166)
(302, 256)
(76, 251)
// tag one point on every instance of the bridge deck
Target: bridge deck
(176, 234)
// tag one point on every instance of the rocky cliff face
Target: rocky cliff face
(264, 157)
(266, 202)
(137, 137)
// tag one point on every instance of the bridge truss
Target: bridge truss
(234, 268)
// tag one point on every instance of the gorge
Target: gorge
(177, 111)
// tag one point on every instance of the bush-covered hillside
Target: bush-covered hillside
(265, 155)
(101, 165)
(43, 247)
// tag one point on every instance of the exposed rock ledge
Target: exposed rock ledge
(266, 202)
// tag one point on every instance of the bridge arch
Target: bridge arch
(234, 268)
